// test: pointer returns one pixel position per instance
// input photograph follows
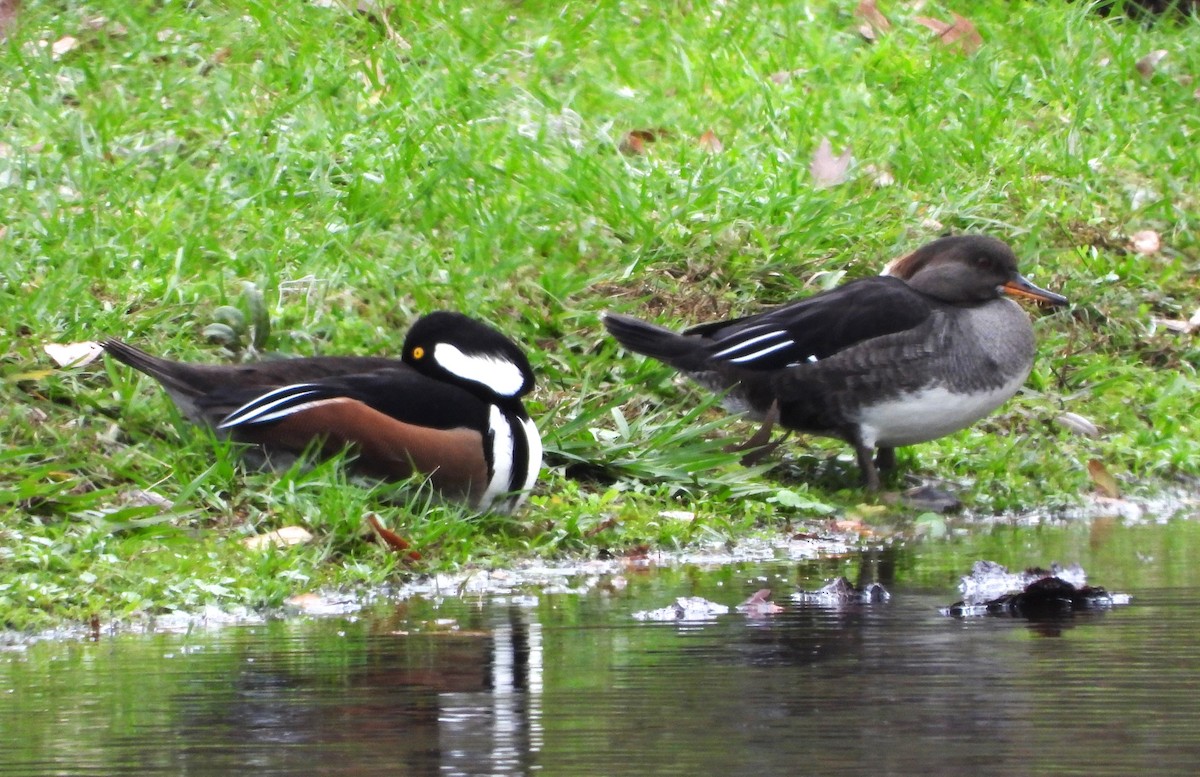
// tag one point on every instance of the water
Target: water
(572, 684)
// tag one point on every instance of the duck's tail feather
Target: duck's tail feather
(682, 353)
(138, 359)
(178, 379)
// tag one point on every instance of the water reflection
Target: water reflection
(571, 684)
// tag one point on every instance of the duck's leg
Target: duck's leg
(760, 444)
(885, 459)
(866, 464)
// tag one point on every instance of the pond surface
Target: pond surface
(571, 683)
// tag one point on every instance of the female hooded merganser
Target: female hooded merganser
(450, 407)
(924, 350)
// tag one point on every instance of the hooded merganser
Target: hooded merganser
(450, 407)
(924, 350)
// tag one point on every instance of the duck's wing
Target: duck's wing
(398, 422)
(817, 327)
(399, 392)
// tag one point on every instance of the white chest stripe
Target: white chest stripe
(502, 456)
(534, 441)
(502, 377)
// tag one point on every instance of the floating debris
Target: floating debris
(841, 591)
(759, 605)
(685, 608)
(1035, 593)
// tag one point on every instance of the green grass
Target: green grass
(468, 158)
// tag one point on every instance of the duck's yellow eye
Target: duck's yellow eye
(418, 353)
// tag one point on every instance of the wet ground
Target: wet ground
(548, 670)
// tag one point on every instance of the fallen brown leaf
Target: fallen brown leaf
(783, 76)
(961, 33)
(9, 10)
(828, 170)
(218, 57)
(1077, 424)
(63, 46)
(874, 22)
(280, 538)
(1103, 479)
(1145, 242)
(1149, 63)
(635, 141)
(710, 142)
(604, 525)
(391, 538)
(880, 177)
(1177, 325)
(759, 604)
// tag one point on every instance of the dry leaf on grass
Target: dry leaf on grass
(8, 16)
(874, 22)
(1145, 242)
(783, 76)
(1177, 325)
(635, 141)
(391, 538)
(759, 604)
(1103, 479)
(63, 46)
(961, 33)
(1077, 424)
(710, 142)
(827, 169)
(280, 538)
(73, 354)
(1149, 63)
(880, 177)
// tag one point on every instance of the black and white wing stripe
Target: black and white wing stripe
(816, 328)
(753, 344)
(278, 404)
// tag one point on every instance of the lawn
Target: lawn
(535, 164)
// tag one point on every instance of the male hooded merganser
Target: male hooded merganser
(924, 350)
(450, 407)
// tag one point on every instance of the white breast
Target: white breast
(929, 414)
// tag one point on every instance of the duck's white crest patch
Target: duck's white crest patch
(930, 414)
(501, 376)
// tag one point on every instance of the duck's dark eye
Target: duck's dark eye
(418, 353)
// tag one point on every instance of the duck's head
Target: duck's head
(458, 349)
(966, 269)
